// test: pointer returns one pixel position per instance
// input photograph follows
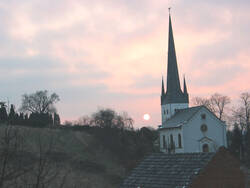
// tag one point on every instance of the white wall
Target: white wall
(192, 132)
(174, 132)
(168, 110)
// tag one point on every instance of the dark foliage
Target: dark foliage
(12, 115)
(3, 113)
(40, 119)
(89, 166)
(235, 144)
(108, 118)
(247, 148)
(128, 146)
(114, 132)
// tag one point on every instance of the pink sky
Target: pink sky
(112, 54)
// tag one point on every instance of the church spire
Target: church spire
(173, 82)
(173, 97)
(173, 92)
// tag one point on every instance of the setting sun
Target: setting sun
(146, 117)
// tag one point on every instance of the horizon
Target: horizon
(113, 54)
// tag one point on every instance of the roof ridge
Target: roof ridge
(185, 110)
(189, 153)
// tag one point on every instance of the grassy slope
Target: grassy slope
(88, 163)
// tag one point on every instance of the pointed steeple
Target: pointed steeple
(173, 82)
(162, 87)
(173, 97)
(184, 86)
(173, 93)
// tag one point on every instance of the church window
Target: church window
(167, 111)
(164, 141)
(203, 116)
(203, 128)
(205, 148)
(179, 140)
(171, 141)
(164, 112)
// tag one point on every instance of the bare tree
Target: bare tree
(21, 166)
(199, 101)
(245, 100)
(39, 102)
(14, 161)
(46, 172)
(84, 120)
(219, 103)
(125, 121)
(241, 114)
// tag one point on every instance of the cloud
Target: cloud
(113, 53)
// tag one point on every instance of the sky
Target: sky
(113, 53)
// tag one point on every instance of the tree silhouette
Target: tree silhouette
(39, 102)
(3, 113)
(56, 120)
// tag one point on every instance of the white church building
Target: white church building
(186, 129)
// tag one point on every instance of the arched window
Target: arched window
(205, 148)
(164, 141)
(171, 141)
(179, 140)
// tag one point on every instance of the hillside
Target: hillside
(43, 157)
(74, 156)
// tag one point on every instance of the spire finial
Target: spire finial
(169, 9)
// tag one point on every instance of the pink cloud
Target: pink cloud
(121, 42)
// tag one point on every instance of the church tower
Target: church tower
(173, 98)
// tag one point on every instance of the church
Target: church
(185, 129)
(192, 143)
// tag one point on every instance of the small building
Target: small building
(187, 170)
(185, 129)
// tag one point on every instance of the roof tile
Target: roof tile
(167, 170)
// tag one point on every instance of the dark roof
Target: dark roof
(174, 93)
(160, 170)
(181, 116)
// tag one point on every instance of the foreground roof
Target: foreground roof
(160, 170)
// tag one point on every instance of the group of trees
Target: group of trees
(106, 118)
(240, 135)
(115, 132)
(217, 104)
(37, 109)
(237, 118)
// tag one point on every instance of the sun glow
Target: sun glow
(146, 117)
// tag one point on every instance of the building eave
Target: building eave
(173, 127)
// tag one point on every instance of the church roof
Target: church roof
(161, 170)
(181, 116)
